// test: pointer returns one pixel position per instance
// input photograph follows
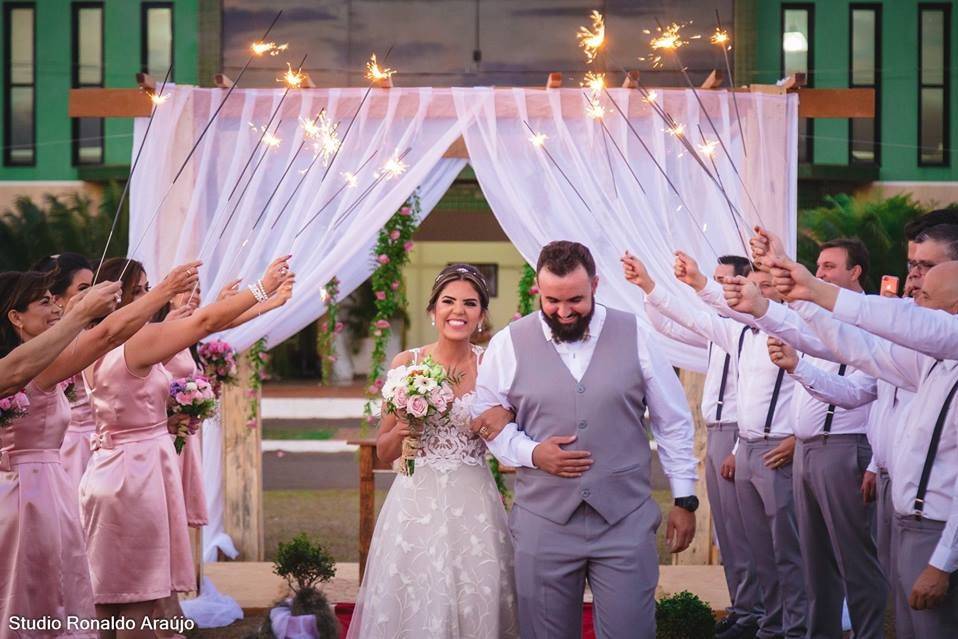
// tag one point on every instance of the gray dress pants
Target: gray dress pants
(768, 510)
(834, 526)
(737, 561)
(915, 542)
(621, 562)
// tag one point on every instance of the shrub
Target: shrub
(683, 616)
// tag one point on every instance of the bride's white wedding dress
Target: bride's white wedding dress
(440, 562)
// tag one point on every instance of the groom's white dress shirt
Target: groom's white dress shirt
(670, 418)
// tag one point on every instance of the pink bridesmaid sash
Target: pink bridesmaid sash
(108, 440)
(11, 458)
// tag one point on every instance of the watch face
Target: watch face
(688, 503)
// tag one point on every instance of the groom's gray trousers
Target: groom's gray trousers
(553, 561)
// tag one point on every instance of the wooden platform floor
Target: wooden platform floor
(255, 588)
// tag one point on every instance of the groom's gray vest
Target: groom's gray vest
(604, 410)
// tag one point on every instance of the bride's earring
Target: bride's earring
(433, 320)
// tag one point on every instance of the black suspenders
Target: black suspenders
(932, 452)
(830, 413)
(725, 367)
(771, 406)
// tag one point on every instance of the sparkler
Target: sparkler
(708, 149)
(670, 39)
(323, 135)
(376, 73)
(260, 48)
(595, 111)
(351, 180)
(196, 144)
(374, 70)
(539, 141)
(293, 79)
(157, 98)
(394, 167)
(721, 38)
(591, 40)
(607, 137)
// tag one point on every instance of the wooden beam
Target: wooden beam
(714, 80)
(631, 80)
(554, 81)
(242, 468)
(108, 103)
(367, 499)
(813, 103)
(222, 81)
(836, 103)
(457, 150)
(700, 552)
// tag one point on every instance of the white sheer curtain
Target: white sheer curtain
(193, 219)
(536, 204)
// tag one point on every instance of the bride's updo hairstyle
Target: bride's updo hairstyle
(454, 272)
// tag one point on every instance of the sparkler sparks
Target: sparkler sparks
(594, 110)
(270, 140)
(394, 167)
(650, 97)
(708, 148)
(595, 82)
(293, 79)
(351, 180)
(677, 129)
(322, 131)
(158, 98)
(271, 48)
(538, 139)
(720, 37)
(666, 39)
(375, 73)
(591, 40)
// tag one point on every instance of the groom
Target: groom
(579, 377)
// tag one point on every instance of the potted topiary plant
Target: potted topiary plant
(304, 565)
(683, 616)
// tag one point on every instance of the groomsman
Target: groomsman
(925, 465)
(719, 411)
(917, 227)
(763, 470)
(834, 520)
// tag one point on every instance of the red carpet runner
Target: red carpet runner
(344, 612)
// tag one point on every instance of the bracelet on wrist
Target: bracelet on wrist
(257, 290)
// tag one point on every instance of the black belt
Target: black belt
(932, 453)
(830, 413)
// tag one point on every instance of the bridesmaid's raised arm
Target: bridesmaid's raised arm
(159, 342)
(117, 327)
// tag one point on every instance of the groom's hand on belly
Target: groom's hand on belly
(550, 457)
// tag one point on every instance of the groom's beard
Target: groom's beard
(573, 332)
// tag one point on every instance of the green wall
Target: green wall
(121, 61)
(899, 80)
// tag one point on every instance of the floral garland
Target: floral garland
(328, 329)
(391, 254)
(527, 291)
(258, 359)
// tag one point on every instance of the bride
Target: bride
(440, 564)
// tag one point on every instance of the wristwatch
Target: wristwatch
(690, 503)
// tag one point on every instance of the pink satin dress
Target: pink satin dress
(183, 365)
(75, 451)
(43, 562)
(131, 496)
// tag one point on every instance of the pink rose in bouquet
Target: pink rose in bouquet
(415, 393)
(13, 407)
(191, 401)
(219, 364)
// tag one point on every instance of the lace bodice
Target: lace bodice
(447, 441)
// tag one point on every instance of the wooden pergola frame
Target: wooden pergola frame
(242, 460)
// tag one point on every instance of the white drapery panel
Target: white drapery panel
(536, 204)
(239, 236)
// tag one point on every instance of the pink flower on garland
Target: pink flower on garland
(516, 316)
(408, 245)
(331, 358)
(394, 286)
(382, 323)
(381, 295)
(338, 328)
(394, 235)
(383, 259)
(405, 211)
(533, 290)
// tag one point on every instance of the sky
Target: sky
(436, 42)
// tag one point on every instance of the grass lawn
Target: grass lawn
(297, 433)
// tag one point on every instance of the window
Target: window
(798, 40)
(157, 39)
(87, 72)
(934, 51)
(865, 69)
(19, 91)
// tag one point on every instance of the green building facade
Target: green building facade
(51, 46)
(904, 49)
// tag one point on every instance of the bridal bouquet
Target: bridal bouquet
(219, 363)
(70, 389)
(191, 401)
(415, 393)
(13, 407)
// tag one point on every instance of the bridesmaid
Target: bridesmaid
(43, 565)
(131, 496)
(73, 274)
